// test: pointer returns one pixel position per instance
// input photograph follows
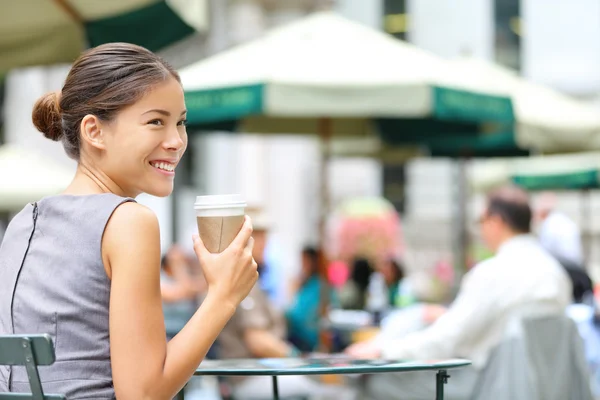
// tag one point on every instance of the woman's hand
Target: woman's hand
(231, 274)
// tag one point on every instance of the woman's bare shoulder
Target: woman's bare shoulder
(132, 229)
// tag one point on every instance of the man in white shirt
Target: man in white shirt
(521, 276)
(558, 233)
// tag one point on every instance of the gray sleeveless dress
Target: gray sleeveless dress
(52, 280)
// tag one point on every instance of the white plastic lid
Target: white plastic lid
(219, 201)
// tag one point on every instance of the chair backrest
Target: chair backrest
(541, 358)
(28, 351)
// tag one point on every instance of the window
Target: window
(507, 33)
(394, 183)
(396, 20)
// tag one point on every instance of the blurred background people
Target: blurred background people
(181, 286)
(558, 233)
(522, 276)
(259, 330)
(303, 314)
(353, 294)
(399, 291)
(271, 279)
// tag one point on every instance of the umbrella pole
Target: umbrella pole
(325, 133)
(4, 221)
(461, 245)
(586, 225)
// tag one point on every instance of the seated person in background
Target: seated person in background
(558, 233)
(303, 314)
(521, 276)
(271, 277)
(180, 289)
(583, 287)
(258, 330)
(353, 295)
(398, 289)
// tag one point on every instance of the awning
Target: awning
(42, 32)
(328, 66)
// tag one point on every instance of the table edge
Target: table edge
(355, 370)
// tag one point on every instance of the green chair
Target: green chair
(28, 351)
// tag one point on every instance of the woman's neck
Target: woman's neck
(89, 181)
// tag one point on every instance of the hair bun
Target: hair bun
(46, 116)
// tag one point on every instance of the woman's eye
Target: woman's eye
(157, 122)
(183, 122)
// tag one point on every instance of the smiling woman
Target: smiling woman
(94, 253)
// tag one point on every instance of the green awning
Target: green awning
(573, 171)
(498, 144)
(587, 179)
(224, 104)
(43, 32)
(449, 105)
(461, 105)
(153, 27)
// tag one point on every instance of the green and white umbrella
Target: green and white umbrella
(545, 120)
(576, 171)
(328, 66)
(42, 32)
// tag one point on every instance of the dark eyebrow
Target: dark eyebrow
(164, 112)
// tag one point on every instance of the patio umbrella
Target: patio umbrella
(27, 176)
(545, 119)
(41, 32)
(326, 66)
(578, 171)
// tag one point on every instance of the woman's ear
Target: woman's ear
(91, 132)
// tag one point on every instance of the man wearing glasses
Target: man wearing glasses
(521, 276)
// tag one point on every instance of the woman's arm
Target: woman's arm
(144, 365)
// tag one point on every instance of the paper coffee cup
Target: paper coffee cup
(219, 219)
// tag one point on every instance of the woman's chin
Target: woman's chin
(160, 191)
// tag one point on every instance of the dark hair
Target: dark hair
(361, 273)
(397, 269)
(102, 82)
(313, 255)
(164, 262)
(511, 204)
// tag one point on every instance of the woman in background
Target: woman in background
(180, 289)
(303, 315)
(353, 295)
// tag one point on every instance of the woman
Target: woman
(353, 295)
(399, 293)
(84, 266)
(303, 314)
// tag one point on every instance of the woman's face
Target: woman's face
(145, 142)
